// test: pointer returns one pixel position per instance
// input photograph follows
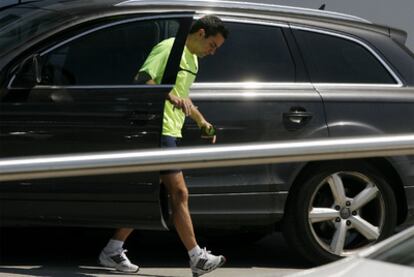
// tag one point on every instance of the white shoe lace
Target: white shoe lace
(123, 255)
(206, 252)
(208, 258)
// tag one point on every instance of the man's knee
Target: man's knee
(179, 195)
(176, 188)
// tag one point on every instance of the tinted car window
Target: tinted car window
(251, 53)
(332, 59)
(110, 56)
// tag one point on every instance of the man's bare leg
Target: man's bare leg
(178, 191)
(201, 261)
(122, 234)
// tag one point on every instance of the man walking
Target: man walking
(206, 36)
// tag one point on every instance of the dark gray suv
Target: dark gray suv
(66, 86)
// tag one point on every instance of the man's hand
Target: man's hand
(207, 125)
(185, 104)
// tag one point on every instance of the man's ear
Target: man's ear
(201, 32)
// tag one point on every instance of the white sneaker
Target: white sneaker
(117, 260)
(205, 263)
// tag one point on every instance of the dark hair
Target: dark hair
(211, 24)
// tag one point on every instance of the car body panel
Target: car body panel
(237, 191)
(110, 119)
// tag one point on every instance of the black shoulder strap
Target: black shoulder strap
(186, 70)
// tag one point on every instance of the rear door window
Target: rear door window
(252, 53)
(332, 59)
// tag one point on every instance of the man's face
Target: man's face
(207, 46)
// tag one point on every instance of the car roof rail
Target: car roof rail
(245, 5)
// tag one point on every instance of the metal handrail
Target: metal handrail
(205, 156)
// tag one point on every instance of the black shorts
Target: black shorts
(169, 142)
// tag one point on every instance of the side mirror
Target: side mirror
(29, 73)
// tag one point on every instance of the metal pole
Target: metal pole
(203, 157)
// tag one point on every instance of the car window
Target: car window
(332, 59)
(109, 56)
(251, 53)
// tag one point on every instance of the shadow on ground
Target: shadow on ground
(44, 251)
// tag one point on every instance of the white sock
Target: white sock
(113, 245)
(195, 252)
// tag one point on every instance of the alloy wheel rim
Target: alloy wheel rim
(346, 213)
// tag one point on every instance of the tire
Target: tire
(324, 224)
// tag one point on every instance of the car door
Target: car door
(87, 101)
(254, 89)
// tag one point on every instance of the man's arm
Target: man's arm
(198, 117)
(150, 82)
(188, 108)
(181, 103)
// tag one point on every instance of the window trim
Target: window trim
(398, 81)
(241, 91)
(234, 19)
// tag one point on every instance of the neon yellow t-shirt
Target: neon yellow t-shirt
(155, 65)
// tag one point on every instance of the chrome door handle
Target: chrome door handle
(298, 117)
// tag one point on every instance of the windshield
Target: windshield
(402, 253)
(20, 24)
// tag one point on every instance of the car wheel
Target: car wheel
(339, 209)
